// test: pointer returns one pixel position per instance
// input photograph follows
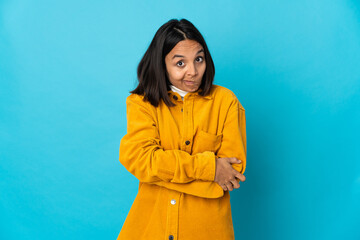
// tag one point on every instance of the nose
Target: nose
(191, 71)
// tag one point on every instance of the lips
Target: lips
(189, 82)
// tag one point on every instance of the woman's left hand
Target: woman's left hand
(226, 176)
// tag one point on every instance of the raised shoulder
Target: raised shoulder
(137, 107)
(226, 95)
(136, 100)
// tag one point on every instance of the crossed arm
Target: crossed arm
(200, 174)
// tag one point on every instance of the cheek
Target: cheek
(202, 69)
(176, 74)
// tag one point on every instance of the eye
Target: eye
(180, 63)
(199, 59)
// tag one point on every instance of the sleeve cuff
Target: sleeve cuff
(205, 166)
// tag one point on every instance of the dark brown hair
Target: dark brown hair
(151, 71)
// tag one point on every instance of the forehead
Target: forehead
(186, 47)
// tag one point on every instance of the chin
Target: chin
(192, 89)
(189, 88)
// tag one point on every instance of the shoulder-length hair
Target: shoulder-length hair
(151, 72)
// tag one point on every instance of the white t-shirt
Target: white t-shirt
(182, 93)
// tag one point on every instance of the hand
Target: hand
(226, 176)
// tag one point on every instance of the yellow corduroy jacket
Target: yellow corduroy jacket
(172, 151)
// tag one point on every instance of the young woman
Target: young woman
(185, 142)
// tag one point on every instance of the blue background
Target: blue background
(66, 68)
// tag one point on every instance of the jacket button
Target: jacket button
(173, 202)
(187, 142)
(175, 97)
(171, 237)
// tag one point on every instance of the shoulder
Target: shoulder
(220, 91)
(225, 95)
(136, 100)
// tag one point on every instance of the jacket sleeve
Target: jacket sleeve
(234, 136)
(143, 156)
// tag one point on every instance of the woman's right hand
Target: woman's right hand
(225, 174)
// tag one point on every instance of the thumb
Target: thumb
(234, 160)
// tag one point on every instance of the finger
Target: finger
(223, 186)
(234, 160)
(235, 183)
(239, 176)
(229, 186)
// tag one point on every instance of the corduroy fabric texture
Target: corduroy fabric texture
(172, 151)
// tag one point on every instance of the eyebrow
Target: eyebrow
(202, 50)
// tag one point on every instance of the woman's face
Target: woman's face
(185, 65)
